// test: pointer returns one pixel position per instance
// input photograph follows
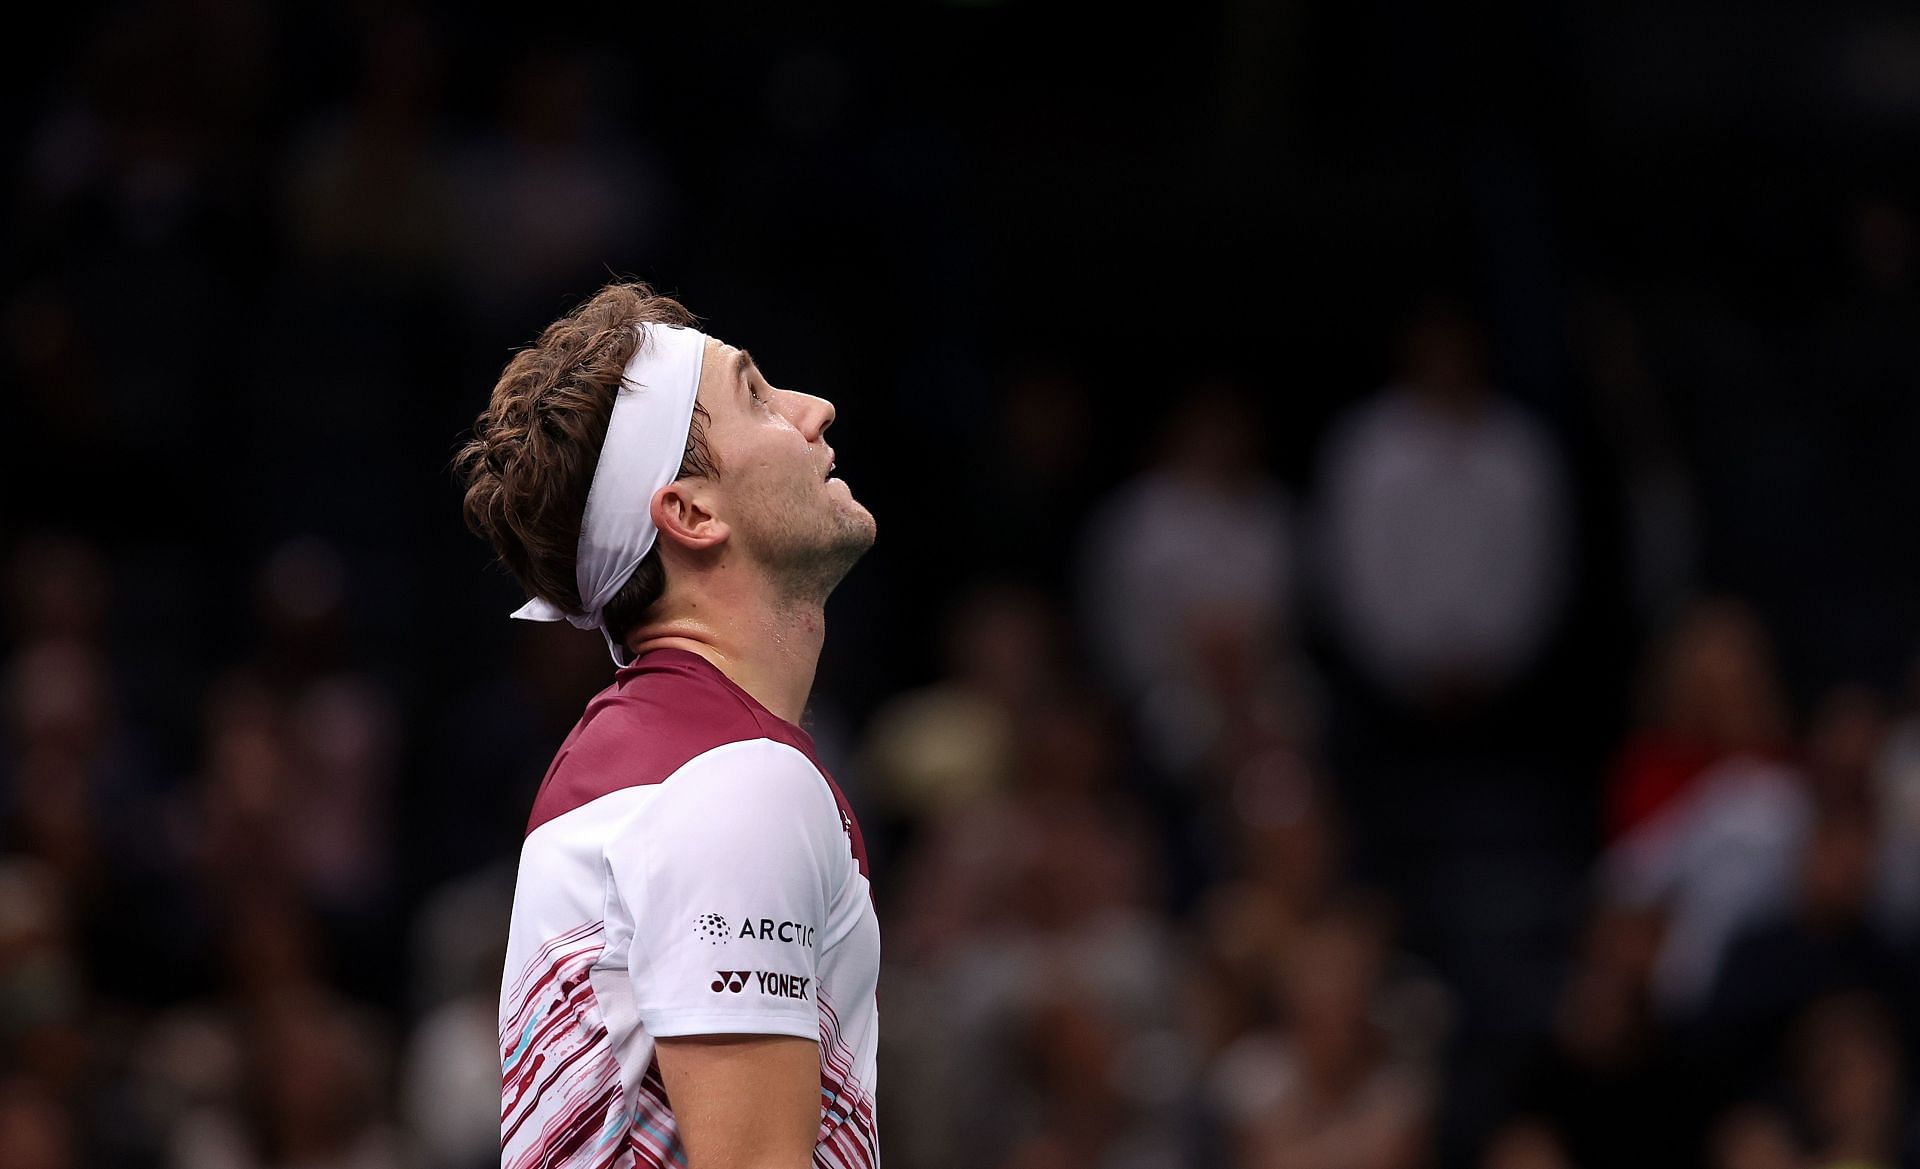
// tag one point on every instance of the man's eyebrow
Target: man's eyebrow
(742, 360)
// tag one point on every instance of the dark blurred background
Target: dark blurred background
(1393, 637)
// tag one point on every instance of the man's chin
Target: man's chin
(810, 572)
(854, 536)
(858, 525)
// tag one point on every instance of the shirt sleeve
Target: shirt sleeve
(726, 876)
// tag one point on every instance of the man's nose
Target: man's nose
(811, 415)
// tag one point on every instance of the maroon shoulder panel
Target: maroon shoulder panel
(663, 709)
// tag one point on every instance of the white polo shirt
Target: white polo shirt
(689, 869)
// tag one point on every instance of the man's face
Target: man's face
(775, 490)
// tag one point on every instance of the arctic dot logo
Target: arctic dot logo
(712, 927)
(733, 980)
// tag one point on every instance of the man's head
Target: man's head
(774, 504)
(751, 492)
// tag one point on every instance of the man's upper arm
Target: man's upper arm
(725, 876)
(743, 1101)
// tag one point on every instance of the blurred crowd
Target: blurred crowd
(1272, 760)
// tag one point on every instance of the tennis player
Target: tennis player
(693, 953)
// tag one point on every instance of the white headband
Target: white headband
(646, 441)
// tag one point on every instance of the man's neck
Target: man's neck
(770, 651)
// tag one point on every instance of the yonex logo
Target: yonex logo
(712, 927)
(767, 982)
(786, 986)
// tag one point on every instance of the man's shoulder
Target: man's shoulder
(649, 724)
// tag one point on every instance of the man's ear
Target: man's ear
(682, 514)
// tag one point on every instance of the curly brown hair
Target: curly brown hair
(530, 462)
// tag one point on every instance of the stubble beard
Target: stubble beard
(807, 560)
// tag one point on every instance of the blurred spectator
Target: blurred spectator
(1203, 529)
(554, 147)
(301, 753)
(42, 983)
(35, 1132)
(370, 189)
(1609, 1085)
(1100, 1091)
(1827, 943)
(79, 794)
(1063, 855)
(450, 1083)
(1525, 1144)
(193, 1060)
(1850, 1079)
(450, 1096)
(60, 724)
(1844, 740)
(344, 730)
(949, 745)
(1754, 1136)
(309, 1095)
(1712, 694)
(1898, 768)
(1235, 694)
(1345, 1079)
(1024, 919)
(1707, 816)
(1847, 753)
(1896, 784)
(1286, 867)
(1187, 583)
(1447, 525)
